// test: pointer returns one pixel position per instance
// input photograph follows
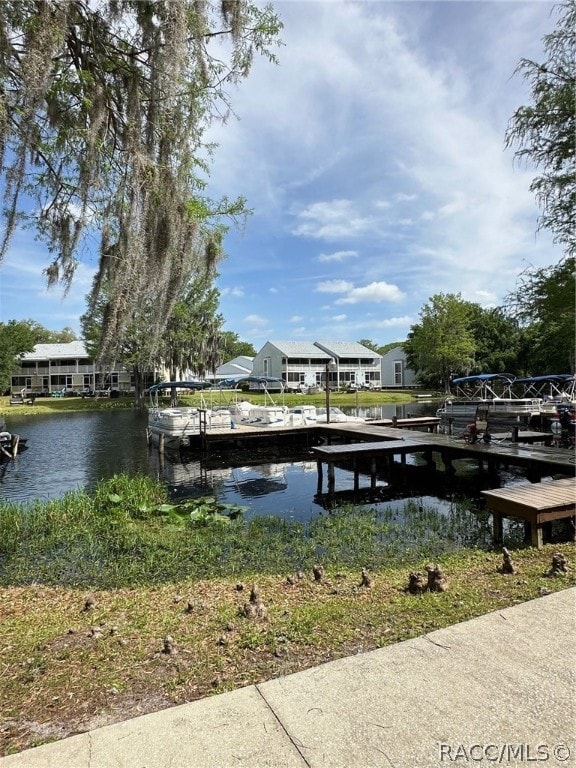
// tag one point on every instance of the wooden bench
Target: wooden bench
(535, 503)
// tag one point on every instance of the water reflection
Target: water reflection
(71, 451)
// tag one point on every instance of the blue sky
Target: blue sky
(373, 159)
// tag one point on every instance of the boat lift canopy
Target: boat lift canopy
(195, 385)
(558, 386)
(484, 386)
(171, 386)
(264, 382)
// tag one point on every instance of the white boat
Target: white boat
(177, 425)
(495, 397)
(269, 416)
(303, 415)
(336, 416)
(251, 415)
(503, 414)
(10, 444)
(174, 426)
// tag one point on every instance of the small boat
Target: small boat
(10, 444)
(174, 426)
(336, 416)
(495, 396)
(303, 415)
(268, 416)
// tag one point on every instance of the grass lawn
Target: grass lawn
(74, 659)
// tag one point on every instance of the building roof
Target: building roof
(347, 349)
(239, 366)
(71, 349)
(299, 349)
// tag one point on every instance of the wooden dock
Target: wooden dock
(350, 441)
(535, 503)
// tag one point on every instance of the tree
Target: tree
(45, 336)
(498, 339)
(16, 337)
(544, 132)
(232, 346)
(192, 340)
(104, 105)
(544, 304)
(369, 344)
(443, 342)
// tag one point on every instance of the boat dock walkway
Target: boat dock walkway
(537, 460)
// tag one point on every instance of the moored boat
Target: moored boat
(10, 444)
(507, 402)
(173, 426)
(336, 416)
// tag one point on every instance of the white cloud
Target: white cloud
(235, 291)
(255, 320)
(378, 292)
(338, 256)
(334, 286)
(331, 220)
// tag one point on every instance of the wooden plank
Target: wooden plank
(333, 453)
(537, 504)
(535, 496)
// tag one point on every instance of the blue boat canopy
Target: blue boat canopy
(235, 380)
(484, 377)
(179, 385)
(558, 378)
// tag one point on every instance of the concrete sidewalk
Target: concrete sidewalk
(499, 689)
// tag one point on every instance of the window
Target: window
(398, 373)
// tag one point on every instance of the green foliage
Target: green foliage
(544, 131)
(498, 340)
(443, 342)
(369, 344)
(544, 303)
(191, 340)
(128, 533)
(231, 346)
(104, 107)
(16, 337)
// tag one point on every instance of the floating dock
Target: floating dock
(535, 503)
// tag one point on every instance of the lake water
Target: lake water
(70, 451)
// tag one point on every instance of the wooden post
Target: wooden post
(15, 442)
(161, 442)
(373, 473)
(320, 478)
(515, 434)
(331, 478)
(356, 476)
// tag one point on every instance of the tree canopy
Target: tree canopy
(232, 346)
(544, 132)
(104, 105)
(442, 343)
(544, 304)
(16, 337)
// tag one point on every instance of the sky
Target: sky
(372, 158)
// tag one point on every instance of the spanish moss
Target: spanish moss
(103, 108)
